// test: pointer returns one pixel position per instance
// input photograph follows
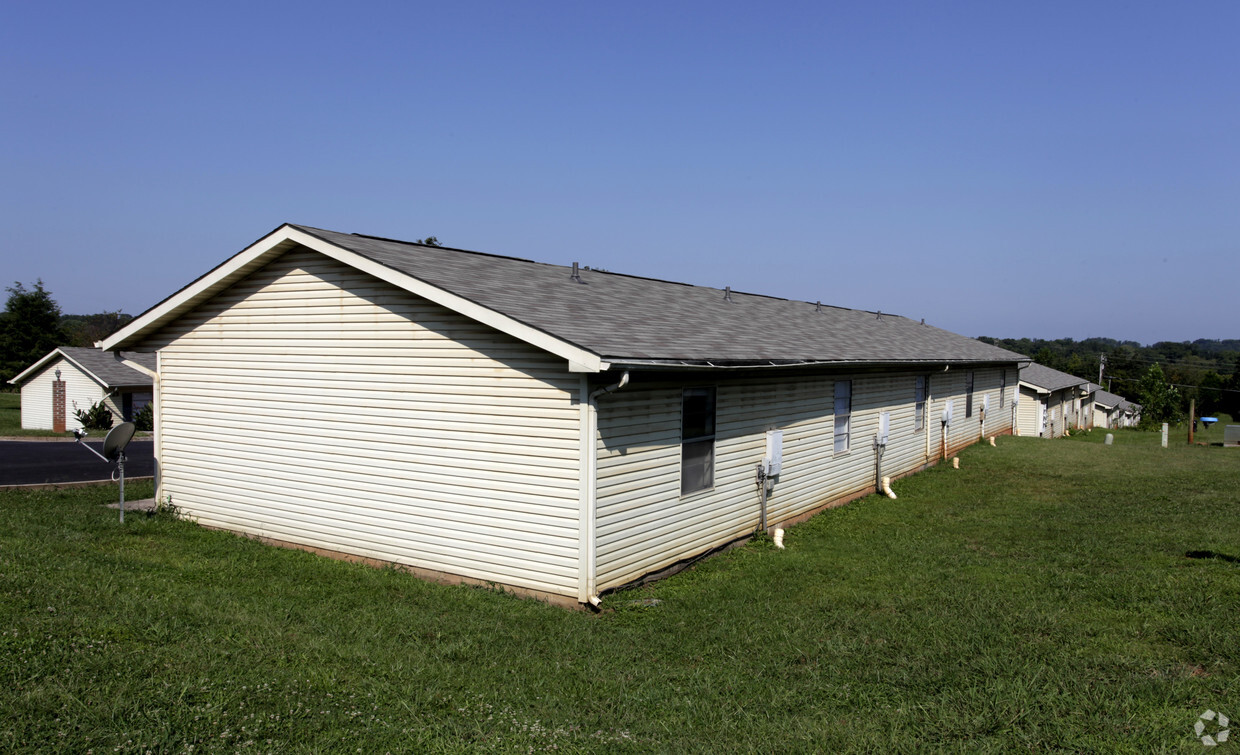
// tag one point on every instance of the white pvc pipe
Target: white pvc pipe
(955, 462)
(887, 488)
(779, 537)
(992, 441)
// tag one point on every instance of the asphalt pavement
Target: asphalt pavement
(40, 462)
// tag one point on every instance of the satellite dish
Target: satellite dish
(118, 438)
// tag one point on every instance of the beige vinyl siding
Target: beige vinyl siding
(1028, 412)
(81, 392)
(951, 385)
(113, 402)
(645, 525)
(1055, 415)
(317, 405)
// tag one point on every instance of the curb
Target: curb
(71, 485)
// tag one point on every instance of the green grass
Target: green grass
(1039, 598)
(11, 418)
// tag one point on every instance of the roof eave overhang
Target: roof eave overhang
(57, 352)
(20, 377)
(1036, 388)
(287, 237)
(768, 364)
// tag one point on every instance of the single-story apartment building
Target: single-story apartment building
(556, 430)
(72, 378)
(1112, 411)
(1050, 401)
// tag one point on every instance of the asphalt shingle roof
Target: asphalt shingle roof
(1047, 379)
(1107, 399)
(108, 368)
(626, 318)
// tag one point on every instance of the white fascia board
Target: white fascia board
(102, 383)
(139, 368)
(39, 365)
(579, 360)
(21, 376)
(1036, 388)
(157, 314)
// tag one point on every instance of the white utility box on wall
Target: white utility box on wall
(774, 452)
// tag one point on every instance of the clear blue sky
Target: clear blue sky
(1009, 169)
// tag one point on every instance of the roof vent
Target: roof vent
(878, 315)
(727, 293)
(818, 306)
(576, 275)
(923, 321)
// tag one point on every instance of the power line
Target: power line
(1177, 385)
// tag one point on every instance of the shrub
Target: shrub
(145, 418)
(97, 417)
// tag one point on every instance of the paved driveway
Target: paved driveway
(37, 462)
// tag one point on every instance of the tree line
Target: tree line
(1163, 377)
(32, 324)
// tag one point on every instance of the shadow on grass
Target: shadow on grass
(1212, 554)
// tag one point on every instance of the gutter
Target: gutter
(687, 364)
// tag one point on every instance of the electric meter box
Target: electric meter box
(774, 458)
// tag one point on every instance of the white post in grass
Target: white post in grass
(1164, 435)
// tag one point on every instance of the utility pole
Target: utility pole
(1102, 362)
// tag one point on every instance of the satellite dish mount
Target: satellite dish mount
(113, 452)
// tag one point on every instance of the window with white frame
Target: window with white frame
(919, 400)
(697, 439)
(968, 394)
(843, 413)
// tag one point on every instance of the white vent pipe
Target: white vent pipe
(779, 537)
(887, 488)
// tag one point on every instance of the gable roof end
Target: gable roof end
(108, 370)
(287, 237)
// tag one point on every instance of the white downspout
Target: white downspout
(588, 591)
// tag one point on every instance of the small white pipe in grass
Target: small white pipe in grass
(594, 601)
(992, 441)
(955, 462)
(779, 537)
(887, 488)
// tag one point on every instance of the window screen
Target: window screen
(697, 440)
(920, 402)
(843, 412)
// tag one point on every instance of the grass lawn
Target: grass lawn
(11, 417)
(1039, 598)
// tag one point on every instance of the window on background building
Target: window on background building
(920, 402)
(697, 440)
(968, 394)
(843, 412)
